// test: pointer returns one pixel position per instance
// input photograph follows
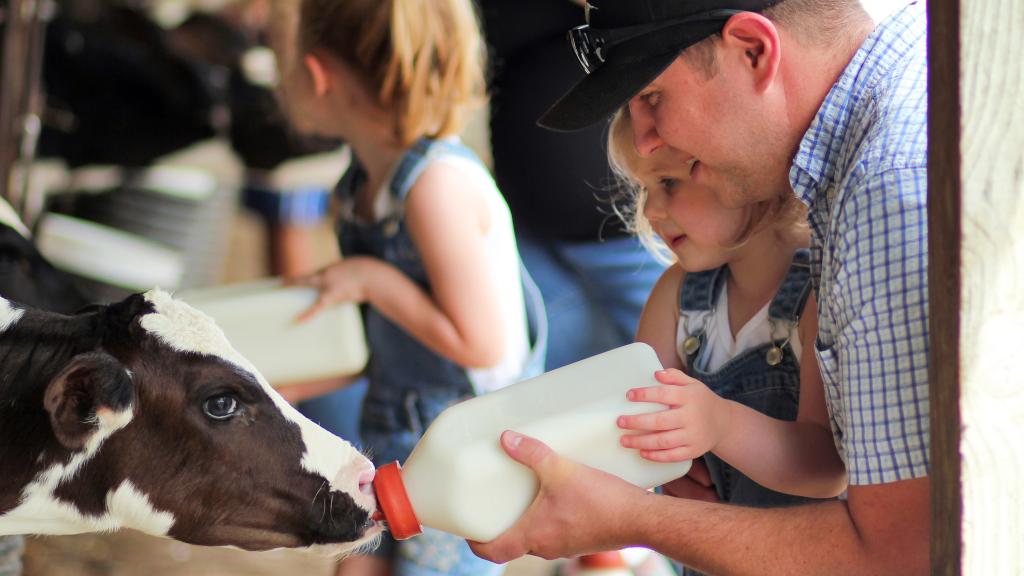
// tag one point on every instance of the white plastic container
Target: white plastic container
(258, 319)
(459, 480)
(108, 255)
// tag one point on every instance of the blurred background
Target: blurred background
(145, 147)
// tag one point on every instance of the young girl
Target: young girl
(427, 239)
(733, 322)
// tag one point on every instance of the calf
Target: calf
(139, 414)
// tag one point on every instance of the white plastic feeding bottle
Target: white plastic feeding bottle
(259, 319)
(459, 480)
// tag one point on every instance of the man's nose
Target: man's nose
(645, 132)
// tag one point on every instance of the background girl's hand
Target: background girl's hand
(343, 281)
(695, 422)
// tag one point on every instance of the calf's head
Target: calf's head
(150, 420)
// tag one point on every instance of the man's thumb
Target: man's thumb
(527, 451)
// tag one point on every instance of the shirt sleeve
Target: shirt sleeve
(880, 308)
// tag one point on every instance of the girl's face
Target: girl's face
(295, 86)
(688, 216)
(298, 96)
(309, 112)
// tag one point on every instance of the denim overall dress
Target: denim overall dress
(410, 385)
(756, 377)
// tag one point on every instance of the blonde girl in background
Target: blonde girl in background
(733, 321)
(427, 239)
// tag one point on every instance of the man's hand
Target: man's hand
(577, 509)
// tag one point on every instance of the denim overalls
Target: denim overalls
(410, 385)
(749, 378)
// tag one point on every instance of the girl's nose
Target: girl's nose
(655, 207)
(645, 132)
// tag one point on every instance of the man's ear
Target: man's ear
(317, 69)
(756, 39)
(88, 395)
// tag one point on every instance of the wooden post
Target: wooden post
(944, 236)
(991, 322)
(12, 79)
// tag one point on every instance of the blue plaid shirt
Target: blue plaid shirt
(862, 170)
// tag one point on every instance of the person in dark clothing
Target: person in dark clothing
(593, 274)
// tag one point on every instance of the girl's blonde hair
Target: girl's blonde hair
(783, 213)
(422, 59)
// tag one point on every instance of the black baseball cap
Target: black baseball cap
(626, 44)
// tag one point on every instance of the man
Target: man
(766, 97)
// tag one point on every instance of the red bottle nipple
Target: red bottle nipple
(394, 502)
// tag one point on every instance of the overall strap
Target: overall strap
(418, 157)
(788, 303)
(699, 290)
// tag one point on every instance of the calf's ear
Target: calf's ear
(92, 392)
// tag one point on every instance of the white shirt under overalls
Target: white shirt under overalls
(720, 346)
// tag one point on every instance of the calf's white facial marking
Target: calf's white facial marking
(186, 329)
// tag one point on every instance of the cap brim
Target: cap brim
(602, 92)
(614, 82)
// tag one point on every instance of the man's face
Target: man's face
(734, 132)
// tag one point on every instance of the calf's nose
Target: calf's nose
(356, 478)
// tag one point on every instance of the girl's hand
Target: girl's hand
(695, 422)
(696, 485)
(344, 281)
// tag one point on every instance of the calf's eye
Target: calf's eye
(221, 407)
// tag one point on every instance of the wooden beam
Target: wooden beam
(944, 281)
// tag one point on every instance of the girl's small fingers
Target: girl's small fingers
(668, 395)
(673, 377)
(651, 422)
(656, 441)
(671, 455)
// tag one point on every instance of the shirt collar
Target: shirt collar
(815, 162)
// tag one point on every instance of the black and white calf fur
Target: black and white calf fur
(140, 414)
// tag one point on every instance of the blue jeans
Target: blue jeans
(338, 412)
(594, 292)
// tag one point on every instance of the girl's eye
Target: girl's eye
(668, 184)
(221, 407)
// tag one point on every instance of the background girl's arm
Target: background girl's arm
(461, 320)
(794, 457)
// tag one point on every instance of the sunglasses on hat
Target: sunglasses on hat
(592, 45)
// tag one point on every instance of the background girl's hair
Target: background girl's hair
(423, 59)
(784, 212)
